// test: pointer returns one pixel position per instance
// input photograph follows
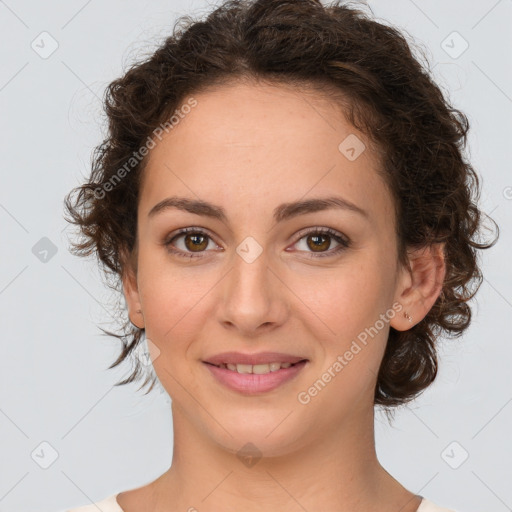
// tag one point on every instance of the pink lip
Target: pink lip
(252, 384)
(256, 358)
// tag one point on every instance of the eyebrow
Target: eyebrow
(282, 212)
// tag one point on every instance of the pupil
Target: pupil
(317, 243)
(197, 241)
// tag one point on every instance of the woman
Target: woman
(284, 199)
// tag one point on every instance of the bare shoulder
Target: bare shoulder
(429, 506)
(108, 504)
(141, 499)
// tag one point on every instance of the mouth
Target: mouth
(258, 369)
(256, 379)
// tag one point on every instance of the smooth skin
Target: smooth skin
(249, 147)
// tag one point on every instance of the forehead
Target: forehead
(271, 142)
(251, 114)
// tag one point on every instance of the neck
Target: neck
(337, 470)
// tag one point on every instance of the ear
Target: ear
(131, 294)
(419, 287)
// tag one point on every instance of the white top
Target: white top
(110, 505)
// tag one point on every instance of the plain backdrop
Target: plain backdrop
(68, 436)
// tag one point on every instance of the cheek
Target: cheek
(352, 303)
(347, 296)
(173, 318)
(171, 308)
(169, 294)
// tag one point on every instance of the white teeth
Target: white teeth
(261, 368)
(258, 369)
(244, 368)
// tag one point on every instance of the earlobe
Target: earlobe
(420, 286)
(132, 297)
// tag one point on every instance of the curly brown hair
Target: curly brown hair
(384, 92)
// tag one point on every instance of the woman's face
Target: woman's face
(260, 277)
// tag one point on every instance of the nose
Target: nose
(253, 298)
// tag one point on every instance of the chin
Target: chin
(261, 435)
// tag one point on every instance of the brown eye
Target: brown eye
(319, 242)
(189, 243)
(196, 242)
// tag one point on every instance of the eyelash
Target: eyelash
(344, 242)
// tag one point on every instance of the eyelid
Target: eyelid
(184, 231)
(343, 241)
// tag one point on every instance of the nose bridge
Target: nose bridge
(252, 295)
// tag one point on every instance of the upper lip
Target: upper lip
(252, 359)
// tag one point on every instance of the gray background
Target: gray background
(54, 384)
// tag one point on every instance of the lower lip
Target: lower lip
(251, 383)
